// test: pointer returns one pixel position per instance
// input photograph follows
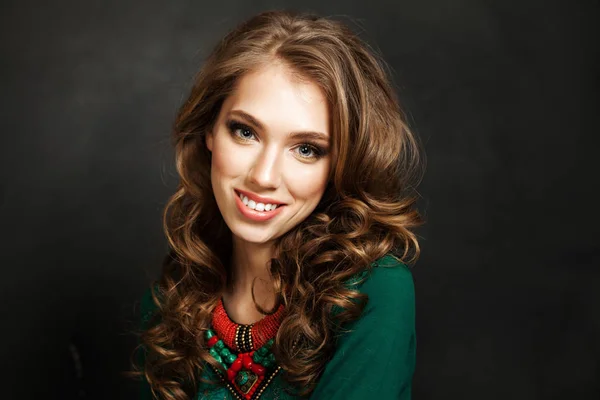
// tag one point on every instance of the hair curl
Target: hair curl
(367, 210)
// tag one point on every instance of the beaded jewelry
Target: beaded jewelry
(244, 351)
(245, 337)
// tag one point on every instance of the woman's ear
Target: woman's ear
(209, 139)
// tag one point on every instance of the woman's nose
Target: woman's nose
(266, 169)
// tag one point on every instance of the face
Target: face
(270, 153)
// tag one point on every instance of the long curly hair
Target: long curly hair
(368, 208)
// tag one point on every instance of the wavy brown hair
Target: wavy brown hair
(367, 210)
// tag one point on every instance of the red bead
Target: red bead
(258, 369)
(237, 364)
(231, 374)
(211, 342)
(247, 362)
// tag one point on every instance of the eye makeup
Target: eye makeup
(236, 127)
(245, 133)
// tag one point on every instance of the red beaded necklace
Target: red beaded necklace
(244, 338)
(251, 370)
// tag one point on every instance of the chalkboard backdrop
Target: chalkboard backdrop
(504, 95)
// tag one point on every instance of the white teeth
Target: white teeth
(257, 206)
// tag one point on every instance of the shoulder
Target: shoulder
(388, 272)
(391, 294)
(374, 355)
(389, 281)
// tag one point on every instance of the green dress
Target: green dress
(374, 359)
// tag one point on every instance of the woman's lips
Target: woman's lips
(254, 214)
(257, 198)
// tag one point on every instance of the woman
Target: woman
(294, 211)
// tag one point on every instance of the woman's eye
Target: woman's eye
(309, 151)
(245, 133)
(240, 130)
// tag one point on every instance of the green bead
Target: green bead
(230, 358)
(257, 358)
(242, 378)
(262, 351)
(224, 366)
(225, 352)
(269, 343)
(271, 357)
(209, 333)
(266, 363)
(219, 345)
(215, 355)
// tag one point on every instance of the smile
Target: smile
(251, 204)
(255, 207)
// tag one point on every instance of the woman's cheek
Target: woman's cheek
(308, 181)
(228, 158)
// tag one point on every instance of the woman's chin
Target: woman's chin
(254, 236)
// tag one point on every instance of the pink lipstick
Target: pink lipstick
(256, 215)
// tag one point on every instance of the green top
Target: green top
(374, 359)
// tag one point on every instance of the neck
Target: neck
(250, 261)
(249, 270)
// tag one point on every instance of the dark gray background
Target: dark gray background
(504, 95)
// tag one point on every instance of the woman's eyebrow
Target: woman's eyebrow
(310, 136)
(295, 135)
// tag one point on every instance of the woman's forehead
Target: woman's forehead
(273, 96)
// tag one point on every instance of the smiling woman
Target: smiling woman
(291, 228)
(271, 158)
